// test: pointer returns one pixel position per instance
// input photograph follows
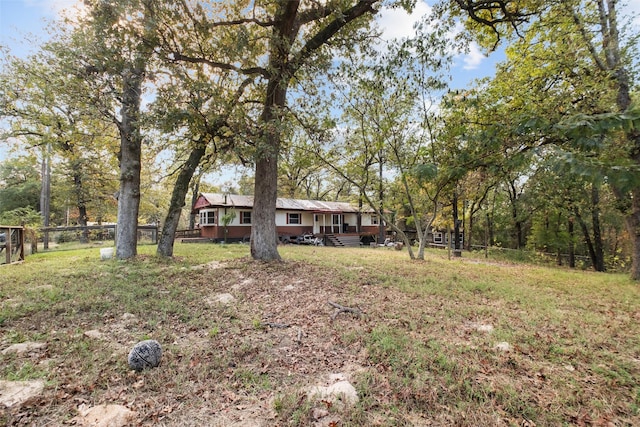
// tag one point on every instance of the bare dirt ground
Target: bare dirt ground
(276, 338)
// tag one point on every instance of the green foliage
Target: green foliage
(19, 184)
(21, 216)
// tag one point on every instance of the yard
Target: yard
(436, 343)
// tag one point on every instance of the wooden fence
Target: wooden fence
(11, 244)
(146, 233)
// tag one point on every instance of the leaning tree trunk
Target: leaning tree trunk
(178, 196)
(130, 165)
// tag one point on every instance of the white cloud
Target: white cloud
(473, 58)
(397, 23)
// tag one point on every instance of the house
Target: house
(294, 217)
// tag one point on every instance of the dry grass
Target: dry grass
(419, 356)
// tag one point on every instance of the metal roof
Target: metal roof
(319, 206)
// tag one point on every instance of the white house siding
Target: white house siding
(281, 219)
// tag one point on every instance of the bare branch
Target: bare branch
(342, 309)
(331, 29)
(251, 71)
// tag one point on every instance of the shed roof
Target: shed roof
(319, 206)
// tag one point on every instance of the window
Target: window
(294, 218)
(207, 217)
(245, 217)
(437, 237)
(336, 219)
(375, 220)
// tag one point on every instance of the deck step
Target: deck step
(343, 240)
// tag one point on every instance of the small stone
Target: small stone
(569, 368)
(484, 328)
(105, 416)
(224, 298)
(502, 346)
(94, 334)
(14, 393)
(24, 347)
(342, 390)
(145, 354)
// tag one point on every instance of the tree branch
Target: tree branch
(342, 309)
(317, 41)
(251, 71)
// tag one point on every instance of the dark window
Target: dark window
(245, 217)
(207, 217)
(294, 218)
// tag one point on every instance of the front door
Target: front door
(316, 223)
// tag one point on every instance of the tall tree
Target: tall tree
(114, 49)
(19, 184)
(295, 35)
(556, 88)
(46, 107)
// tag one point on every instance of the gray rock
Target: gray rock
(14, 393)
(25, 347)
(145, 354)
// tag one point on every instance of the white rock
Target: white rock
(24, 347)
(342, 390)
(224, 299)
(502, 346)
(94, 334)
(484, 328)
(16, 392)
(105, 416)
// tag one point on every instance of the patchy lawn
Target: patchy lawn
(434, 343)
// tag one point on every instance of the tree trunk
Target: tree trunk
(45, 193)
(264, 236)
(130, 165)
(83, 216)
(632, 221)
(611, 47)
(381, 233)
(456, 226)
(178, 196)
(587, 239)
(597, 232)
(572, 246)
(194, 198)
